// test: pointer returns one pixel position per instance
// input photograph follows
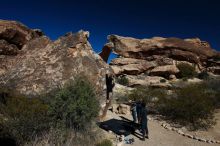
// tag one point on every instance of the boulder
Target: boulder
(14, 35)
(131, 66)
(158, 56)
(120, 91)
(151, 81)
(141, 48)
(161, 85)
(126, 61)
(106, 50)
(123, 109)
(213, 65)
(7, 49)
(42, 65)
(165, 70)
(115, 108)
(214, 69)
(161, 60)
(131, 69)
(172, 77)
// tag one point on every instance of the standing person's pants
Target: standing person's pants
(139, 116)
(134, 115)
(144, 128)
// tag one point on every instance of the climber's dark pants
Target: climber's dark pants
(108, 92)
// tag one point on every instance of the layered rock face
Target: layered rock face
(159, 56)
(33, 64)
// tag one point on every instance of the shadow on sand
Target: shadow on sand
(7, 142)
(121, 127)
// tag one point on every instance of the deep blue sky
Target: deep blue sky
(135, 18)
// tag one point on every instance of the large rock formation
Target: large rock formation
(106, 51)
(33, 64)
(13, 36)
(159, 56)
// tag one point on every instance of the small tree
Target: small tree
(203, 75)
(190, 105)
(186, 71)
(122, 80)
(213, 89)
(23, 118)
(146, 94)
(75, 106)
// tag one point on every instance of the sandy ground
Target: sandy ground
(158, 136)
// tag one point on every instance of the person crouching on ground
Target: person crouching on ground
(143, 122)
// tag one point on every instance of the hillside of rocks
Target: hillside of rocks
(32, 64)
(146, 61)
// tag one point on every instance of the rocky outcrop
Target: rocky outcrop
(41, 65)
(150, 81)
(142, 48)
(106, 51)
(14, 35)
(131, 66)
(215, 70)
(159, 56)
(33, 64)
(165, 70)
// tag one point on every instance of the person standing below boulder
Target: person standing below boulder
(144, 127)
(110, 85)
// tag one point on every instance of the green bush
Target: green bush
(162, 80)
(105, 142)
(216, 58)
(64, 116)
(23, 118)
(146, 94)
(75, 106)
(186, 71)
(68, 137)
(213, 89)
(203, 75)
(139, 93)
(190, 105)
(122, 80)
(122, 98)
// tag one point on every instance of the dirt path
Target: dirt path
(158, 136)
